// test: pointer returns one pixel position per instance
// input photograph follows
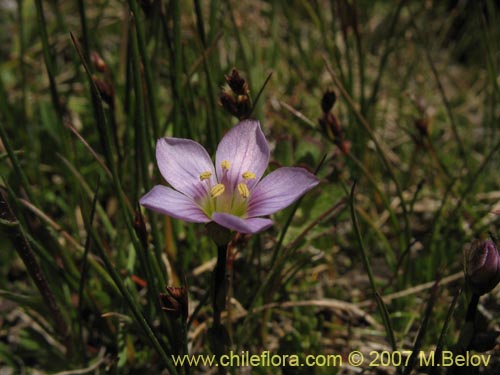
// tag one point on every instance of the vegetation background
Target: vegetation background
(86, 88)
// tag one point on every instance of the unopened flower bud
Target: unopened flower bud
(99, 62)
(175, 302)
(328, 100)
(331, 128)
(482, 266)
(237, 83)
(106, 91)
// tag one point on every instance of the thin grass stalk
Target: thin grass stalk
(141, 154)
(436, 220)
(336, 53)
(257, 97)
(7, 111)
(178, 129)
(388, 48)
(417, 346)
(395, 222)
(380, 303)
(214, 20)
(213, 128)
(380, 151)
(22, 60)
(107, 225)
(51, 71)
(348, 57)
(440, 343)
(472, 181)
(492, 69)
(124, 207)
(444, 97)
(360, 57)
(84, 28)
(83, 276)
(148, 72)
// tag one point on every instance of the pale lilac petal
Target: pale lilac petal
(246, 149)
(169, 202)
(279, 189)
(181, 161)
(238, 224)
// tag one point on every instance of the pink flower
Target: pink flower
(233, 193)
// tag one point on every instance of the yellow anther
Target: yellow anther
(225, 165)
(205, 175)
(248, 175)
(243, 190)
(217, 190)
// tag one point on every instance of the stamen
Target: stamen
(243, 190)
(225, 165)
(217, 190)
(248, 175)
(205, 175)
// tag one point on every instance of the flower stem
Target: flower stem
(219, 336)
(219, 284)
(467, 333)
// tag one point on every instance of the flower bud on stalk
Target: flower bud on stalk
(482, 266)
(330, 124)
(235, 97)
(99, 63)
(175, 302)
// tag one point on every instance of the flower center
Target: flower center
(223, 196)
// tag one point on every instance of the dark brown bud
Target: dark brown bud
(106, 91)
(331, 128)
(175, 302)
(482, 266)
(238, 106)
(328, 100)
(99, 63)
(227, 102)
(237, 83)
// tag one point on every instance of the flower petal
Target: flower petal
(167, 201)
(279, 189)
(246, 149)
(181, 161)
(238, 224)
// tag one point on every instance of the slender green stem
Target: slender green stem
(148, 72)
(379, 148)
(444, 97)
(83, 25)
(381, 306)
(83, 275)
(213, 130)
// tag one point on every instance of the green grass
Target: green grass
(82, 265)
